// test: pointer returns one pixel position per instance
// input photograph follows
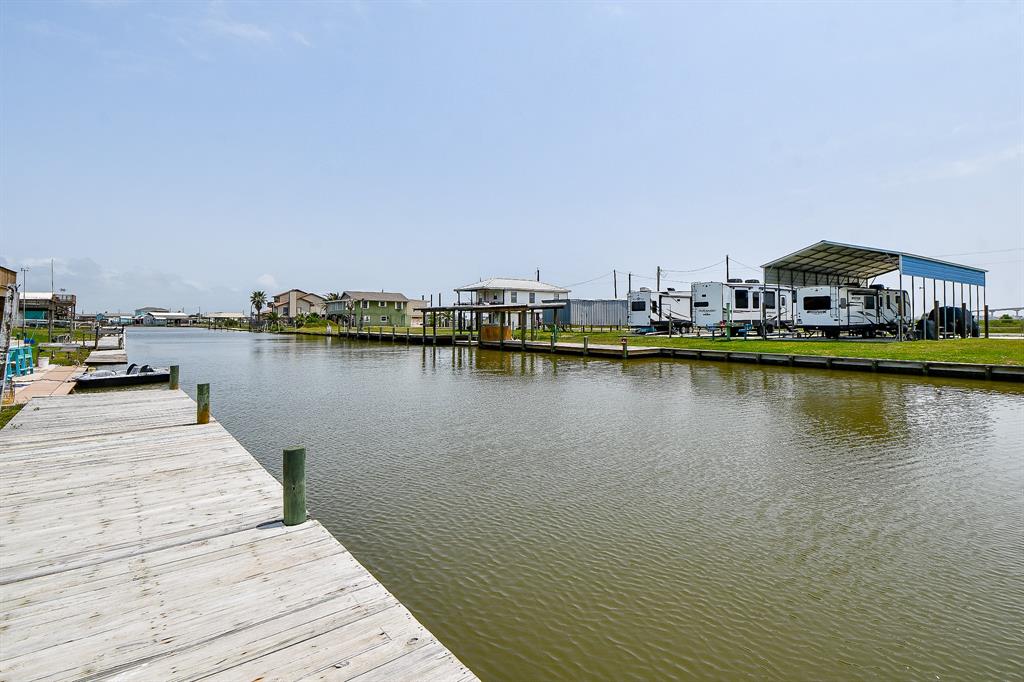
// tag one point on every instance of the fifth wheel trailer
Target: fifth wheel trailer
(738, 303)
(655, 310)
(851, 308)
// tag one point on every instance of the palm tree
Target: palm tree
(257, 300)
(332, 296)
(273, 318)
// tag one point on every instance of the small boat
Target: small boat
(133, 376)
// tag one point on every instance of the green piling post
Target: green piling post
(294, 486)
(203, 404)
(174, 377)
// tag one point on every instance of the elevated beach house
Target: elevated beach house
(509, 290)
(294, 302)
(370, 309)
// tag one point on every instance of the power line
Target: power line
(569, 286)
(706, 267)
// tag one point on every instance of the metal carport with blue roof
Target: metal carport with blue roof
(834, 263)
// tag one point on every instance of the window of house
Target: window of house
(366, 318)
(364, 304)
(817, 302)
(494, 296)
(769, 299)
(383, 318)
(533, 297)
(399, 305)
(742, 298)
(514, 297)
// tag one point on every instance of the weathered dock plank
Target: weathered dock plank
(107, 357)
(141, 545)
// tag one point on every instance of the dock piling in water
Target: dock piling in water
(294, 486)
(203, 404)
(174, 378)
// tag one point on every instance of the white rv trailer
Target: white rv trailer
(738, 303)
(851, 308)
(657, 309)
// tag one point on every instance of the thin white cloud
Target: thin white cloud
(300, 38)
(237, 29)
(960, 168)
(267, 281)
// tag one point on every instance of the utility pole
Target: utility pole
(726, 267)
(615, 283)
(538, 274)
(657, 280)
(24, 300)
(630, 283)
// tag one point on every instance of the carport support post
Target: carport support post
(938, 334)
(963, 319)
(522, 327)
(899, 306)
(986, 320)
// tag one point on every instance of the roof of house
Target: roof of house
(515, 284)
(373, 296)
(225, 316)
(37, 296)
(167, 315)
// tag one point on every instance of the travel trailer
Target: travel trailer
(850, 308)
(655, 310)
(738, 303)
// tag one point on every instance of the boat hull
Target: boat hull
(123, 380)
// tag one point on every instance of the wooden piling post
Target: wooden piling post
(174, 378)
(294, 486)
(625, 343)
(203, 404)
(586, 345)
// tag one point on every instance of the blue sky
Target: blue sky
(183, 154)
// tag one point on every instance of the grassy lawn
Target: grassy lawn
(984, 351)
(1006, 326)
(7, 414)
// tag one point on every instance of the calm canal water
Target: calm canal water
(565, 519)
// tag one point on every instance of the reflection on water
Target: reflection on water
(570, 518)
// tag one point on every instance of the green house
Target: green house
(369, 309)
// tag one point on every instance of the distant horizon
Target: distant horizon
(186, 154)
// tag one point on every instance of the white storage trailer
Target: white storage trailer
(738, 303)
(851, 308)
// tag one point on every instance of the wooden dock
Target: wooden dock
(137, 544)
(110, 350)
